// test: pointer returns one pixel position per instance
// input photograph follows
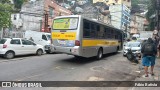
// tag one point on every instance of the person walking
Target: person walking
(149, 51)
(156, 40)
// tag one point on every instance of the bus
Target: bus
(83, 37)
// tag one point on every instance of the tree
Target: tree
(18, 3)
(5, 1)
(5, 15)
(150, 14)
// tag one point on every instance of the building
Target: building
(120, 16)
(133, 26)
(111, 2)
(138, 24)
(38, 15)
(140, 19)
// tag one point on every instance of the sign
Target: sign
(64, 35)
(65, 23)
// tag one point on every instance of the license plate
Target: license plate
(62, 42)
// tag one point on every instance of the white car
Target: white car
(10, 47)
(134, 46)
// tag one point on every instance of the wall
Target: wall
(16, 21)
(133, 26)
(116, 15)
(32, 14)
(140, 20)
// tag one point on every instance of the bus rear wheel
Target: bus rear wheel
(100, 54)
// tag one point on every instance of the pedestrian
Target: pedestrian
(156, 40)
(31, 39)
(149, 51)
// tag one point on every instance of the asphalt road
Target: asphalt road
(62, 67)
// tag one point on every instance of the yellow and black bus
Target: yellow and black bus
(83, 37)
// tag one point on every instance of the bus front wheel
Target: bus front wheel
(100, 54)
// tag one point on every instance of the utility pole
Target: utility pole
(46, 22)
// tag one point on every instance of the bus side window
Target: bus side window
(98, 31)
(108, 33)
(44, 37)
(116, 35)
(93, 31)
(112, 34)
(86, 29)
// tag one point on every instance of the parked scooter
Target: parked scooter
(132, 56)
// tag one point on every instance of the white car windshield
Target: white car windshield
(49, 37)
(133, 44)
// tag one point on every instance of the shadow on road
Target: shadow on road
(24, 56)
(82, 60)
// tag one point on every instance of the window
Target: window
(2, 41)
(44, 37)
(116, 35)
(86, 28)
(26, 42)
(126, 17)
(108, 33)
(15, 41)
(51, 11)
(93, 30)
(15, 16)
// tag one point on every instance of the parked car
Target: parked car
(10, 47)
(134, 46)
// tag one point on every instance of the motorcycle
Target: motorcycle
(132, 56)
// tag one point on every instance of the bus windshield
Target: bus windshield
(65, 23)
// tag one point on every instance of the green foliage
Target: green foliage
(4, 1)
(150, 13)
(134, 2)
(5, 15)
(18, 3)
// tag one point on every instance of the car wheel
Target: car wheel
(100, 54)
(9, 55)
(39, 52)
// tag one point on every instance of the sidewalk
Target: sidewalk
(142, 77)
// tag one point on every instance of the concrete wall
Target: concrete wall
(116, 15)
(16, 21)
(140, 20)
(32, 14)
